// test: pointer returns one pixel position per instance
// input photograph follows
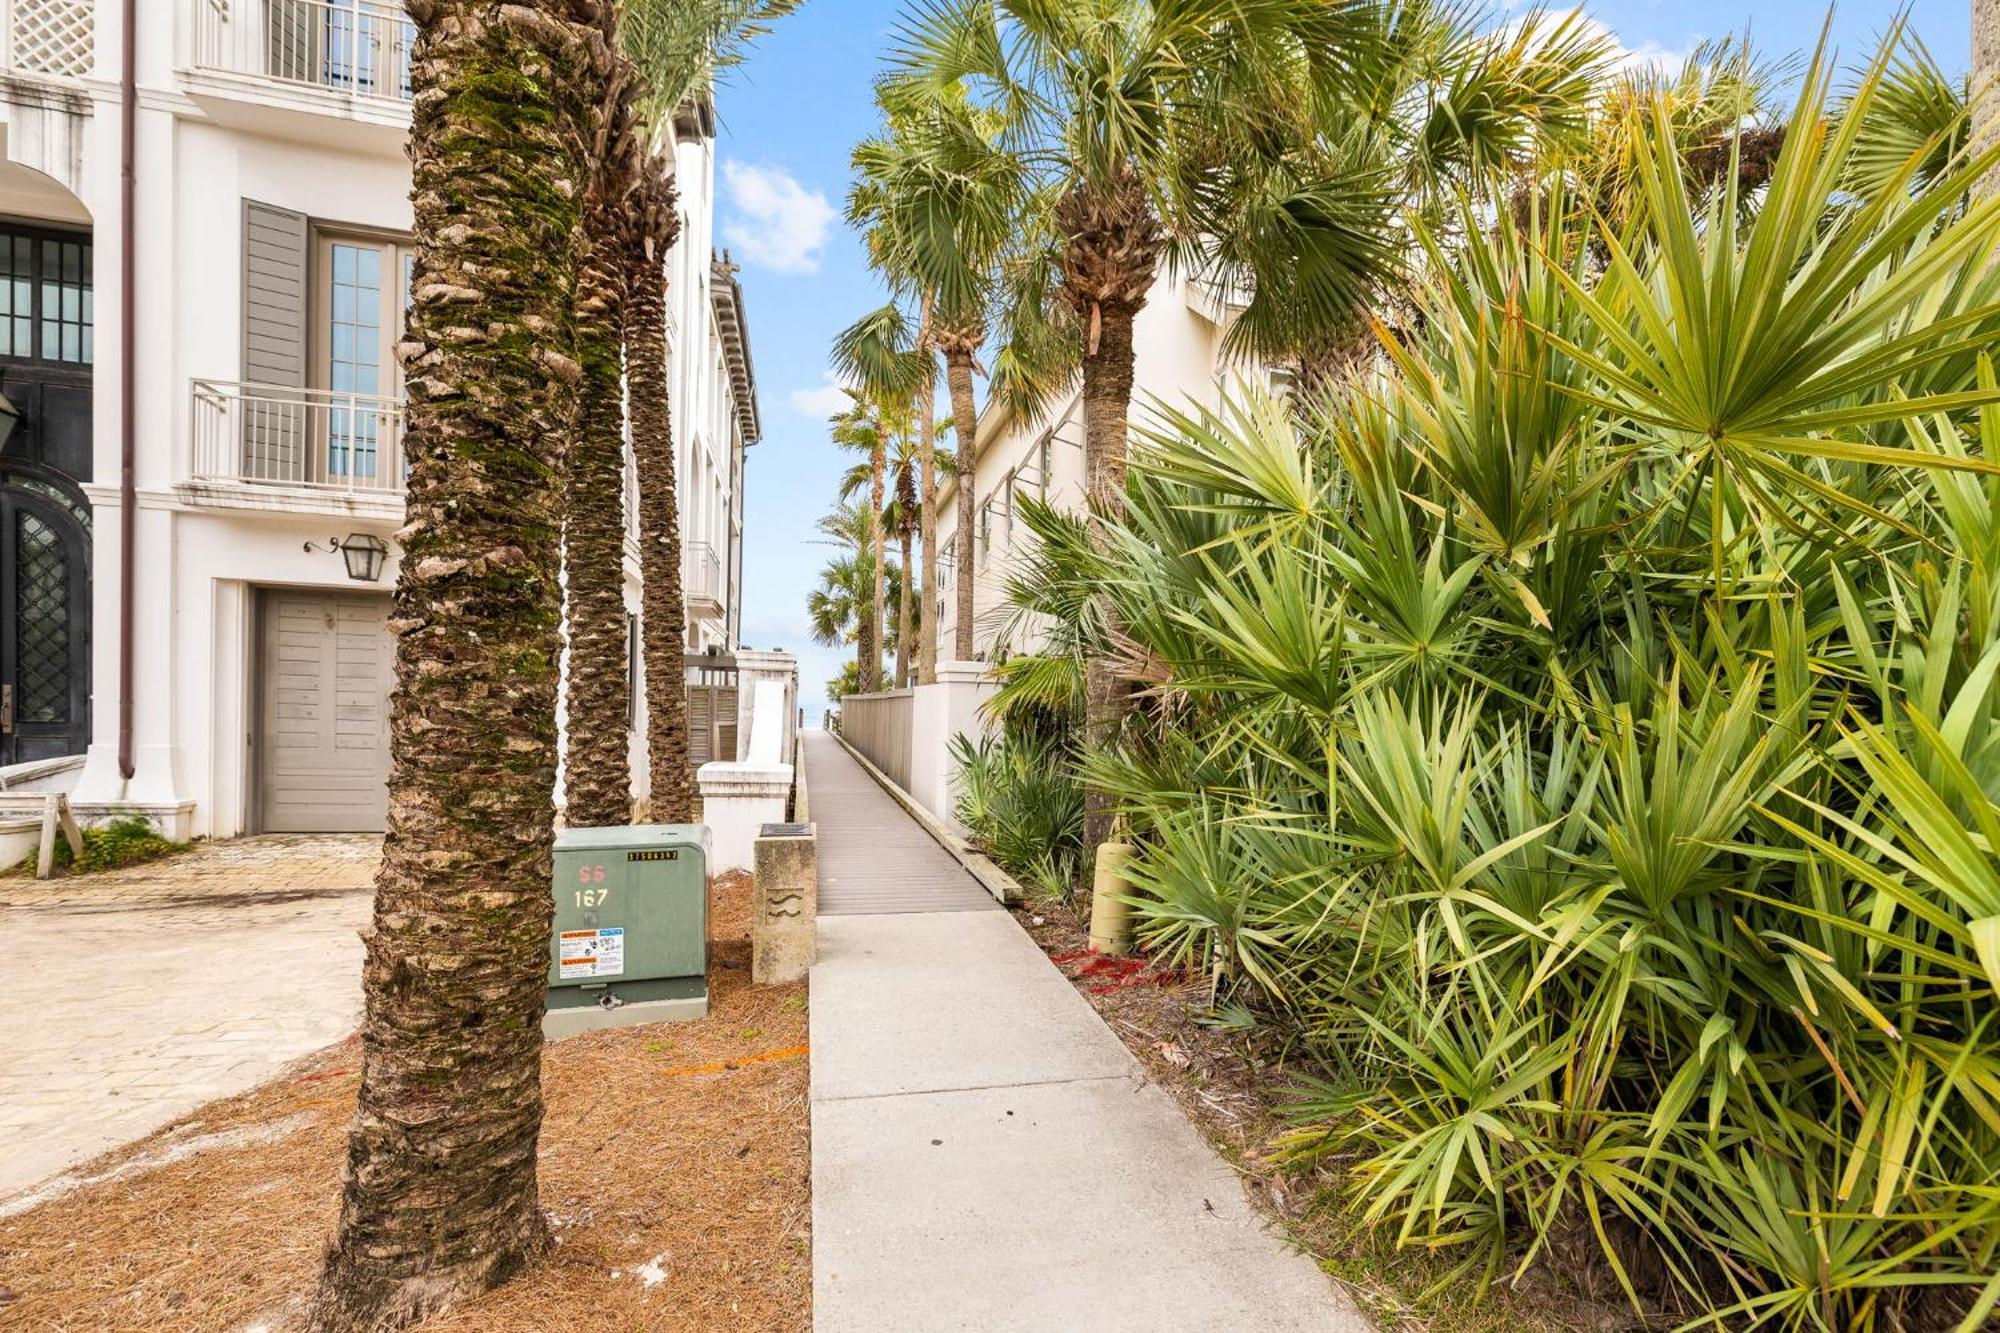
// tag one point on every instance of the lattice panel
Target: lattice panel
(42, 585)
(53, 36)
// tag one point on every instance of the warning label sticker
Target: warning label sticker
(582, 954)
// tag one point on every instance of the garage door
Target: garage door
(323, 734)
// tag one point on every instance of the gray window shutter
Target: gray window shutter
(274, 342)
(701, 725)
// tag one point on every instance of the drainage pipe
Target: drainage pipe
(128, 495)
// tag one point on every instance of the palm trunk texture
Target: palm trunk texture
(905, 631)
(1112, 247)
(871, 658)
(958, 378)
(664, 622)
(1986, 87)
(927, 644)
(928, 613)
(597, 778)
(439, 1198)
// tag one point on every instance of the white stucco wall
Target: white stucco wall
(1178, 361)
(209, 139)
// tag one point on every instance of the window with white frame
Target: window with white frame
(361, 296)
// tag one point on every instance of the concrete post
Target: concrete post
(736, 801)
(784, 930)
(938, 713)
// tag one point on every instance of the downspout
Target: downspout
(128, 495)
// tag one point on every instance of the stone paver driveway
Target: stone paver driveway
(131, 997)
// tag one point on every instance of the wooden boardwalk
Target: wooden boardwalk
(873, 857)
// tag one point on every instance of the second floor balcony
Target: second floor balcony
(348, 60)
(703, 591)
(271, 447)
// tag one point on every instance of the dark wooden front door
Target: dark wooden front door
(44, 621)
(47, 346)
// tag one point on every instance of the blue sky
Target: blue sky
(796, 107)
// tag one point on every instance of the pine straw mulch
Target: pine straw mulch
(1231, 1084)
(675, 1169)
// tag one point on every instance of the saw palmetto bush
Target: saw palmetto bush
(1583, 736)
(1018, 794)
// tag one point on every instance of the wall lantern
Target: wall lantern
(10, 417)
(363, 551)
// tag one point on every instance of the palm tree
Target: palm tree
(940, 201)
(902, 514)
(680, 48)
(860, 428)
(837, 611)
(597, 771)
(1437, 112)
(663, 620)
(878, 356)
(1129, 113)
(439, 1199)
(904, 462)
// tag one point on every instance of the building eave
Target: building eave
(726, 298)
(993, 424)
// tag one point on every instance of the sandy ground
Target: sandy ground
(675, 1167)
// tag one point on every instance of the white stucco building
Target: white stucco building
(268, 253)
(1177, 344)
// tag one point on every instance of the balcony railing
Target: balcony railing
(315, 439)
(46, 36)
(357, 47)
(704, 579)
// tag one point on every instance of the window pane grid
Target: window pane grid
(47, 308)
(355, 365)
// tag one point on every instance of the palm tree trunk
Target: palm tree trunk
(965, 425)
(871, 665)
(927, 644)
(927, 509)
(439, 1199)
(1107, 403)
(905, 631)
(1986, 86)
(597, 768)
(1112, 244)
(663, 620)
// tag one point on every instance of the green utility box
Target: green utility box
(631, 933)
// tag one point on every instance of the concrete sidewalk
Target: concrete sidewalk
(986, 1154)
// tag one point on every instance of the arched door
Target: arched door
(44, 620)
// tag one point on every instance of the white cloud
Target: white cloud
(1649, 57)
(774, 221)
(1645, 57)
(820, 403)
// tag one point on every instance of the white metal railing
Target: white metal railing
(47, 36)
(361, 47)
(704, 575)
(315, 438)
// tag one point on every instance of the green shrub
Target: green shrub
(122, 842)
(1020, 796)
(1585, 740)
